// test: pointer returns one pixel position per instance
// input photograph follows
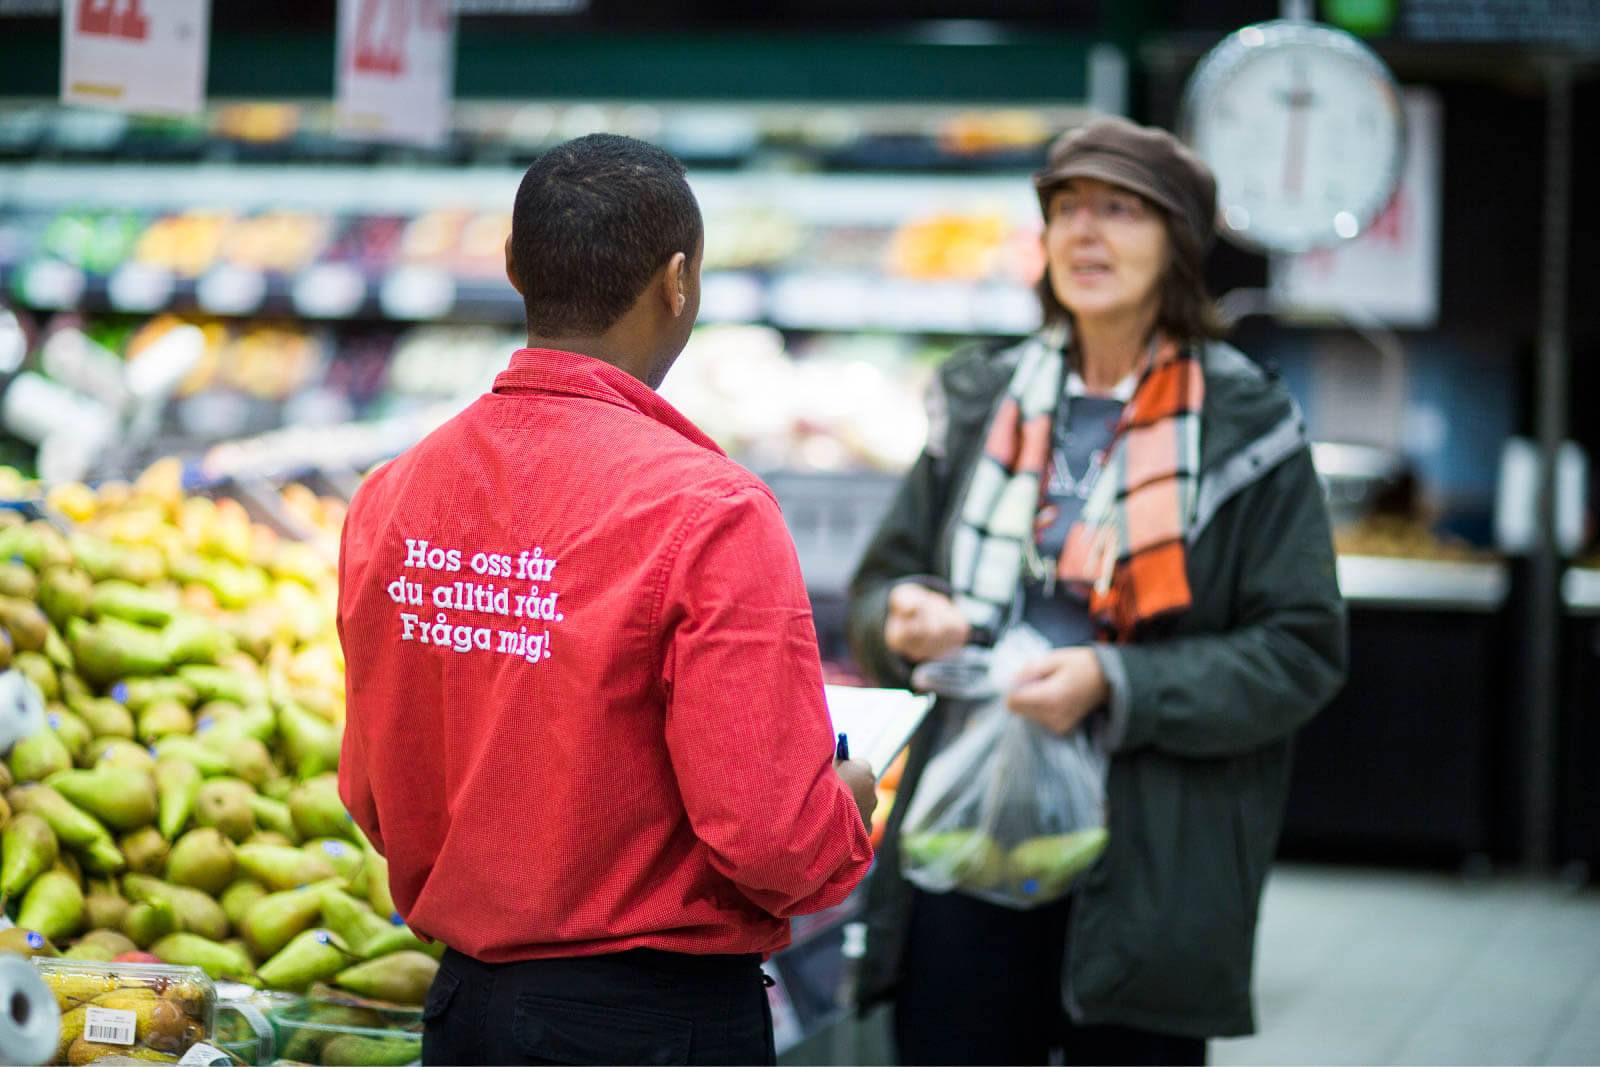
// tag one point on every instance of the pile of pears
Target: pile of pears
(181, 803)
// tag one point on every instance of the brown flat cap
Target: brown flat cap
(1146, 159)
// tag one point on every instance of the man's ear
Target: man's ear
(675, 283)
(511, 268)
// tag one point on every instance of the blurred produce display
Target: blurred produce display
(1405, 537)
(177, 688)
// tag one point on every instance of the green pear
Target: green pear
(248, 757)
(72, 730)
(1043, 867)
(67, 863)
(17, 941)
(209, 762)
(64, 593)
(132, 603)
(216, 959)
(194, 639)
(317, 810)
(220, 683)
(139, 693)
(89, 951)
(73, 687)
(269, 837)
(148, 921)
(37, 668)
(113, 939)
(73, 827)
(18, 580)
(57, 652)
(52, 905)
(145, 850)
(105, 716)
(27, 625)
(38, 756)
(274, 815)
(273, 920)
(310, 956)
(279, 789)
(177, 784)
(28, 848)
(121, 797)
(197, 912)
(203, 859)
(312, 743)
(112, 649)
(118, 752)
(103, 906)
(225, 804)
(353, 921)
(238, 897)
(378, 894)
(400, 977)
(280, 868)
(967, 858)
(347, 859)
(385, 1051)
(161, 718)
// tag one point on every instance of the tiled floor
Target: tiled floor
(1378, 967)
(1360, 966)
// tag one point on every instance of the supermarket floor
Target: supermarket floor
(1359, 966)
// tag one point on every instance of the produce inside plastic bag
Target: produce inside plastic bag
(1008, 811)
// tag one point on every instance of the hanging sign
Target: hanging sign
(1391, 270)
(396, 69)
(144, 56)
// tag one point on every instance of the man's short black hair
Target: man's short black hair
(594, 219)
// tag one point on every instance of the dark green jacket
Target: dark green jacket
(1202, 709)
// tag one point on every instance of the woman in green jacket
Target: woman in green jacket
(1142, 495)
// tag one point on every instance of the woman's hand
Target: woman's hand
(923, 624)
(1058, 689)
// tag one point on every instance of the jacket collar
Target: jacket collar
(548, 370)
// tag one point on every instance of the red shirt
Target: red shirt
(585, 708)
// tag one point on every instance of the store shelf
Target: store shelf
(1424, 584)
(1580, 590)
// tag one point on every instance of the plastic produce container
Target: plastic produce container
(329, 1032)
(148, 1012)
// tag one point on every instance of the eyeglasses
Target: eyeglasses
(1105, 207)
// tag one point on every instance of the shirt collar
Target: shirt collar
(549, 370)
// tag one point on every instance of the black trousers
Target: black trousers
(983, 986)
(642, 1006)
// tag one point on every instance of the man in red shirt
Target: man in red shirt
(585, 709)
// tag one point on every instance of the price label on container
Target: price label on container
(135, 55)
(417, 293)
(396, 66)
(230, 290)
(139, 287)
(329, 291)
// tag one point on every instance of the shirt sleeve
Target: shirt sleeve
(747, 726)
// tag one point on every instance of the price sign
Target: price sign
(396, 66)
(139, 287)
(329, 291)
(50, 283)
(417, 293)
(230, 290)
(135, 55)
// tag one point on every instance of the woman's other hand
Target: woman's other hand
(923, 624)
(1058, 689)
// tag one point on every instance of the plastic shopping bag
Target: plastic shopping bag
(1008, 811)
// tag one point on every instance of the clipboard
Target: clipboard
(878, 722)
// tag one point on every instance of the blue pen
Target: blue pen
(842, 750)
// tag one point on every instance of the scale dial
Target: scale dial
(1303, 127)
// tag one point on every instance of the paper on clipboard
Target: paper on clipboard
(878, 722)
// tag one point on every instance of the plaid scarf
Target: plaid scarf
(1126, 551)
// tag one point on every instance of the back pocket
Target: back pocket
(440, 994)
(570, 1031)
